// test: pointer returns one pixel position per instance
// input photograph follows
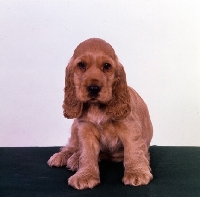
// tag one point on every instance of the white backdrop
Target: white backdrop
(157, 41)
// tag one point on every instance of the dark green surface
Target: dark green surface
(24, 173)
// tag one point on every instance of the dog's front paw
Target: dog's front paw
(57, 160)
(83, 181)
(137, 178)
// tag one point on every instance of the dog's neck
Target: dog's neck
(94, 113)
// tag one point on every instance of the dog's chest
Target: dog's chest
(108, 134)
(109, 139)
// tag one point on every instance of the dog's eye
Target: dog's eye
(82, 66)
(106, 67)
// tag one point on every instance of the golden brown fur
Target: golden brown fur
(111, 119)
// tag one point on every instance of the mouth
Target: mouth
(93, 99)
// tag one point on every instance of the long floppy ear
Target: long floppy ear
(119, 105)
(72, 108)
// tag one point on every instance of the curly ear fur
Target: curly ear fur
(119, 105)
(72, 108)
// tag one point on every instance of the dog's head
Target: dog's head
(94, 75)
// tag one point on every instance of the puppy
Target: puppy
(111, 121)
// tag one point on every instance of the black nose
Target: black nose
(94, 89)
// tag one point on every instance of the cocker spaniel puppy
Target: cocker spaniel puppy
(111, 119)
